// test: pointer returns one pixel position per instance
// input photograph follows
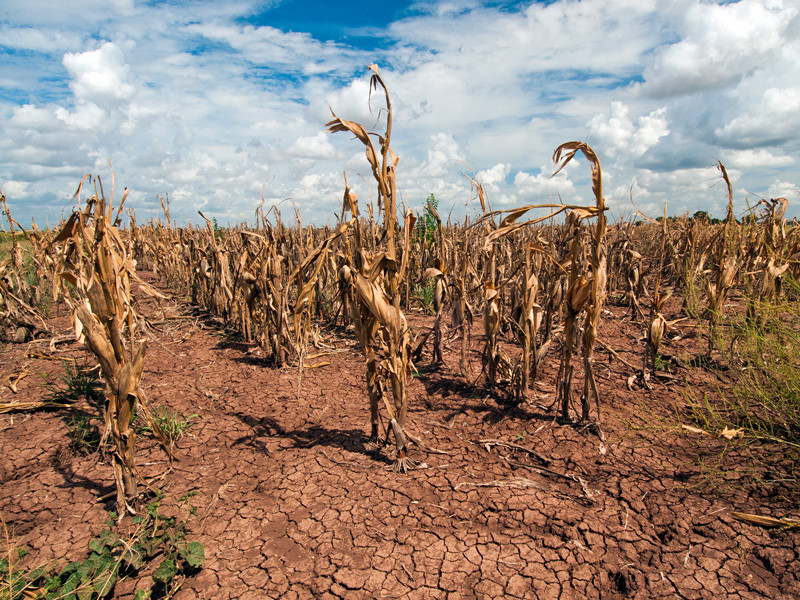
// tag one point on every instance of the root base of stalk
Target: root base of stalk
(403, 464)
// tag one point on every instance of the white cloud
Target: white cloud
(748, 159)
(784, 189)
(15, 188)
(293, 51)
(54, 13)
(87, 117)
(543, 186)
(775, 118)
(38, 39)
(619, 135)
(30, 117)
(316, 146)
(99, 75)
(203, 106)
(442, 150)
(495, 176)
(719, 45)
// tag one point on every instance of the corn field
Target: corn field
(538, 278)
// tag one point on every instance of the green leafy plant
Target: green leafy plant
(84, 436)
(218, 231)
(423, 293)
(78, 383)
(172, 423)
(663, 363)
(114, 555)
(427, 224)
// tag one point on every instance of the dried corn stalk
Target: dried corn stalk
(95, 262)
(768, 250)
(721, 277)
(584, 291)
(18, 298)
(374, 277)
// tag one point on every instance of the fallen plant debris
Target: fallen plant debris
(726, 433)
(763, 521)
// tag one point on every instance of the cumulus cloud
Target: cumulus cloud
(316, 146)
(31, 117)
(15, 188)
(99, 76)
(784, 189)
(618, 134)
(719, 45)
(748, 159)
(495, 176)
(543, 186)
(776, 118)
(206, 105)
(442, 149)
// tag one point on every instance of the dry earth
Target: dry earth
(292, 504)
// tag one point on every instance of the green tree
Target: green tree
(428, 222)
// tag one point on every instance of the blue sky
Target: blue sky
(357, 23)
(218, 103)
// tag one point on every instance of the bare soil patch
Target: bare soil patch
(293, 503)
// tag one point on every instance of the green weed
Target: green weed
(172, 423)
(78, 383)
(84, 436)
(423, 294)
(115, 554)
(763, 401)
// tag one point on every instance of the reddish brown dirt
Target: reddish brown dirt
(291, 503)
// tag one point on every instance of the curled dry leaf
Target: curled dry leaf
(729, 434)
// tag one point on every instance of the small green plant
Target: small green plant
(84, 436)
(78, 383)
(662, 363)
(423, 293)
(113, 555)
(172, 423)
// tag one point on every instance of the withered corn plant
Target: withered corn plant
(22, 293)
(374, 275)
(586, 289)
(769, 256)
(464, 278)
(500, 270)
(724, 251)
(438, 273)
(657, 323)
(95, 263)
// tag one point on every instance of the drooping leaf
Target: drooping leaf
(194, 554)
(166, 571)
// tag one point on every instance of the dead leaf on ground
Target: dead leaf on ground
(731, 433)
(762, 521)
(697, 430)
